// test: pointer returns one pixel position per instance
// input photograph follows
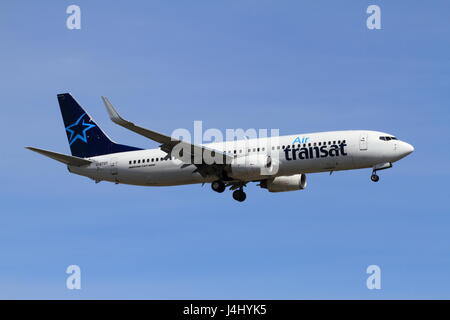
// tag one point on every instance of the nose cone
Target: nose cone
(410, 148)
(406, 149)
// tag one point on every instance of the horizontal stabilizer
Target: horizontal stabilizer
(69, 160)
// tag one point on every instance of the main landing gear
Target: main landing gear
(218, 186)
(238, 193)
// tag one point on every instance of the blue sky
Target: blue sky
(298, 66)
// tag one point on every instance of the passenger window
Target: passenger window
(129, 162)
(315, 144)
(258, 149)
(273, 148)
(334, 142)
(309, 144)
(156, 159)
(278, 147)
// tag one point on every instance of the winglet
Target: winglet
(113, 114)
(117, 119)
(167, 142)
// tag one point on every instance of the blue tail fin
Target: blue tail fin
(86, 139)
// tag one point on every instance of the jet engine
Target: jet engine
(285, 183)
(253, 167)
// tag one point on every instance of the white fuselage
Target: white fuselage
(363, 149)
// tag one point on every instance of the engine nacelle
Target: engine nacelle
(253, 167)
(285, 183)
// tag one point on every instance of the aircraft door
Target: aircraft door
(113, 166)
(363, 141)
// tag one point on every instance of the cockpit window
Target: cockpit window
(386, 138)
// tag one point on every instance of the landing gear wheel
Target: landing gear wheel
(239, 195)
(374, 177)
(218, 186)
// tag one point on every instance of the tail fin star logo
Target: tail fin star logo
(78, 130)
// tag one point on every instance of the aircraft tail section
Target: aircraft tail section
(69, 160)
(85, 137)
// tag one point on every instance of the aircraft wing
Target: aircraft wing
(69, 160)
(167, 142)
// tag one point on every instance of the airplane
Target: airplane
(278, 164)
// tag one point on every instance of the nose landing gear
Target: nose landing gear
(374, 177)
(382, 166)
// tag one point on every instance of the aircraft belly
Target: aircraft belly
(174, 176)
